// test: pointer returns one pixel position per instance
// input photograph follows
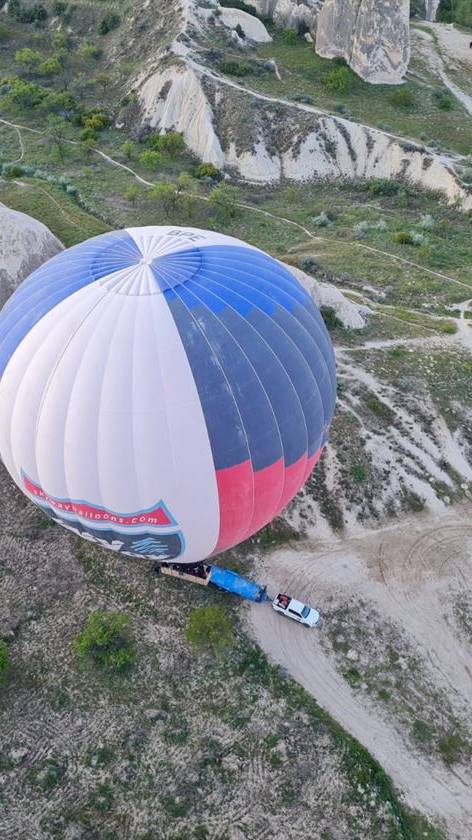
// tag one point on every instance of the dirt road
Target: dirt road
(407, 573)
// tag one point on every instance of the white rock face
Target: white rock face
(432, 7)
(295, 14)
(174, 99)
(372, 35)
(25, 244)
(252, 27)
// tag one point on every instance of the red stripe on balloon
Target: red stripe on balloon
(294, 479)
(268, 486)
(236, 498)
(311, 464)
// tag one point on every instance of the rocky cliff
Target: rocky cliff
(25, 244)
(300, 15)
(371, 35)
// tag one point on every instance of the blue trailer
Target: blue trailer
(237, 584)
(225, 579)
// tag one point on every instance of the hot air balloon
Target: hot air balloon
(164, 391)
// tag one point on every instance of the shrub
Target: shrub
(239, 4)
(224, 197)
(403, 237)
(402, 98)
(88, 134)
(150, 159)
(330, 318)
(209, 628)
(184, 181)
(97, 121)
(290, 36)
(4, 33)
(50, 67)
(338, 80)
(89, 50)
(109, 22)
(236, 68)
(107, 641)
(131, 193)
(166, 194)
(28, 58)
(171, 143)
(127, 149)
(4, 661)
(308, 263)
(426, 222)
(443, 99)
(59, 7)
(384, 186)
(322, 220)
(208, 170)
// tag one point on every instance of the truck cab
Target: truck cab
(296, 610)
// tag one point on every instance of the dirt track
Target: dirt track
(407, 572)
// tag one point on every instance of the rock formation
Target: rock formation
(296, 14)
(371, 35)
(25, 244)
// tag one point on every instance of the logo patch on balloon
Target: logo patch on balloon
(150, 532)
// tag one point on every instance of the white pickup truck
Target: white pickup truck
(295, 609)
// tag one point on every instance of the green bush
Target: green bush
(208, 170)
(330, 318)
(165, 194)
(171, 143)
(403, 237)
(290, 36)
(236, 68)
(50, 67)
(4, 661)
(443, 99)
(29, 58)
(150, 159)
(4, 33)
(384, 186)
(89, 50)
(127, 149)
(402, 98)
(338, 80)
(209, 628)
(107, 641)
(224, 198)
(109, 22)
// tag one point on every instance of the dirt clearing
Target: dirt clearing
(391, 660)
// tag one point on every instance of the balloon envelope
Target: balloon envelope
(163, 391)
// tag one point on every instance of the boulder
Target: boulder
(25, 244)
(252, 27)
(373, 36)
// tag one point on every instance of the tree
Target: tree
(184, 181)
(166, 195)
(57, 131)
(171, 143)
(127, 149)
(107, 641)
(50, 67)
(30, 59)
(208, 170)
(209, 628)
(150, 159)
(224, 198)
(132, 193)
(4, 661)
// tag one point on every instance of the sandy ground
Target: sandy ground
(406, 572)
(425, 44)
(456, 44)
